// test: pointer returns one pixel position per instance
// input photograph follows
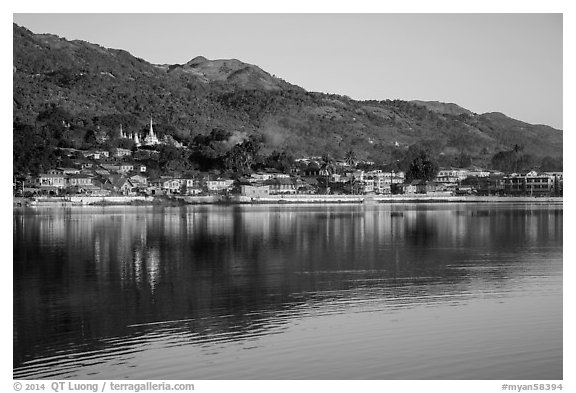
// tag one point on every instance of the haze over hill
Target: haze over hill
(103, 88)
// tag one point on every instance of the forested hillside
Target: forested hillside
(66, 92)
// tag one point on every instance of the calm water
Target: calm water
(440, 291)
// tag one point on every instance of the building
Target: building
(280, 186)
(79, 180)
(120, 152)
(254, 191)
(125, 168)
(69, 171)
(165, 185)
(96, 154)
(139, 180)
(191, 186)
(219, 185)
(539, 184)
(51, 180)
(110, 168)
(532, 183)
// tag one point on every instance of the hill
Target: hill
(443, 108)
(94, 88)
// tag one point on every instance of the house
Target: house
(91, 154)
(69, 171)
(307, 185)
(312, 169)
(276, 174)
(83, 184)
(191, 186)
(280, 186)
(432, 187)
(219, 184)
(139, 180)
(270, 173)
(478, 172)
(102, 172)
(110, 167)
(125, 168)
(259, 177)
(447, 176)
(56, 171)
(79, 180)
(414, 187)
(120, 184)
(96, 154)
(120, 152)
(452, 175)
(164, 186)
(55, 180)
(491, 185)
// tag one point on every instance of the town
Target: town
(122, 172)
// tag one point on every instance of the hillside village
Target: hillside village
(120, 171)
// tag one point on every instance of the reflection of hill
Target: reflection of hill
(83, 277)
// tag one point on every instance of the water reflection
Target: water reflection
(104, 281)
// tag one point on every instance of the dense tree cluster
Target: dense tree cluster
(421, 166)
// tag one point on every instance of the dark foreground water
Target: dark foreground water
(439, 291)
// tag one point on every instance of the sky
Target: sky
(509, 63)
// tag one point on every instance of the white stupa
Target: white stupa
(136, 139)
(151, 139)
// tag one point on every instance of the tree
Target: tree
(422, 168)
(350, 157)
(512, 161)
(463, 160)
(282, 161)
(551, 164)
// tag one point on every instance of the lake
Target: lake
(384, 291)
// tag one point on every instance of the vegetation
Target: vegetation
(76, 95)
(421, 167)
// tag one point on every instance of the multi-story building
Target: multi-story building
(531, 183)
(57, 180)
(451, 176)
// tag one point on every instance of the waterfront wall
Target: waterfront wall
(91, 200)
(393, 199)
(277, 199)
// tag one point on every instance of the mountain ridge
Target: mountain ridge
(97, 87)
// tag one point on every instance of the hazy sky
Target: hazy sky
(510, 63)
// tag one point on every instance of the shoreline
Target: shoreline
(271, 200)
